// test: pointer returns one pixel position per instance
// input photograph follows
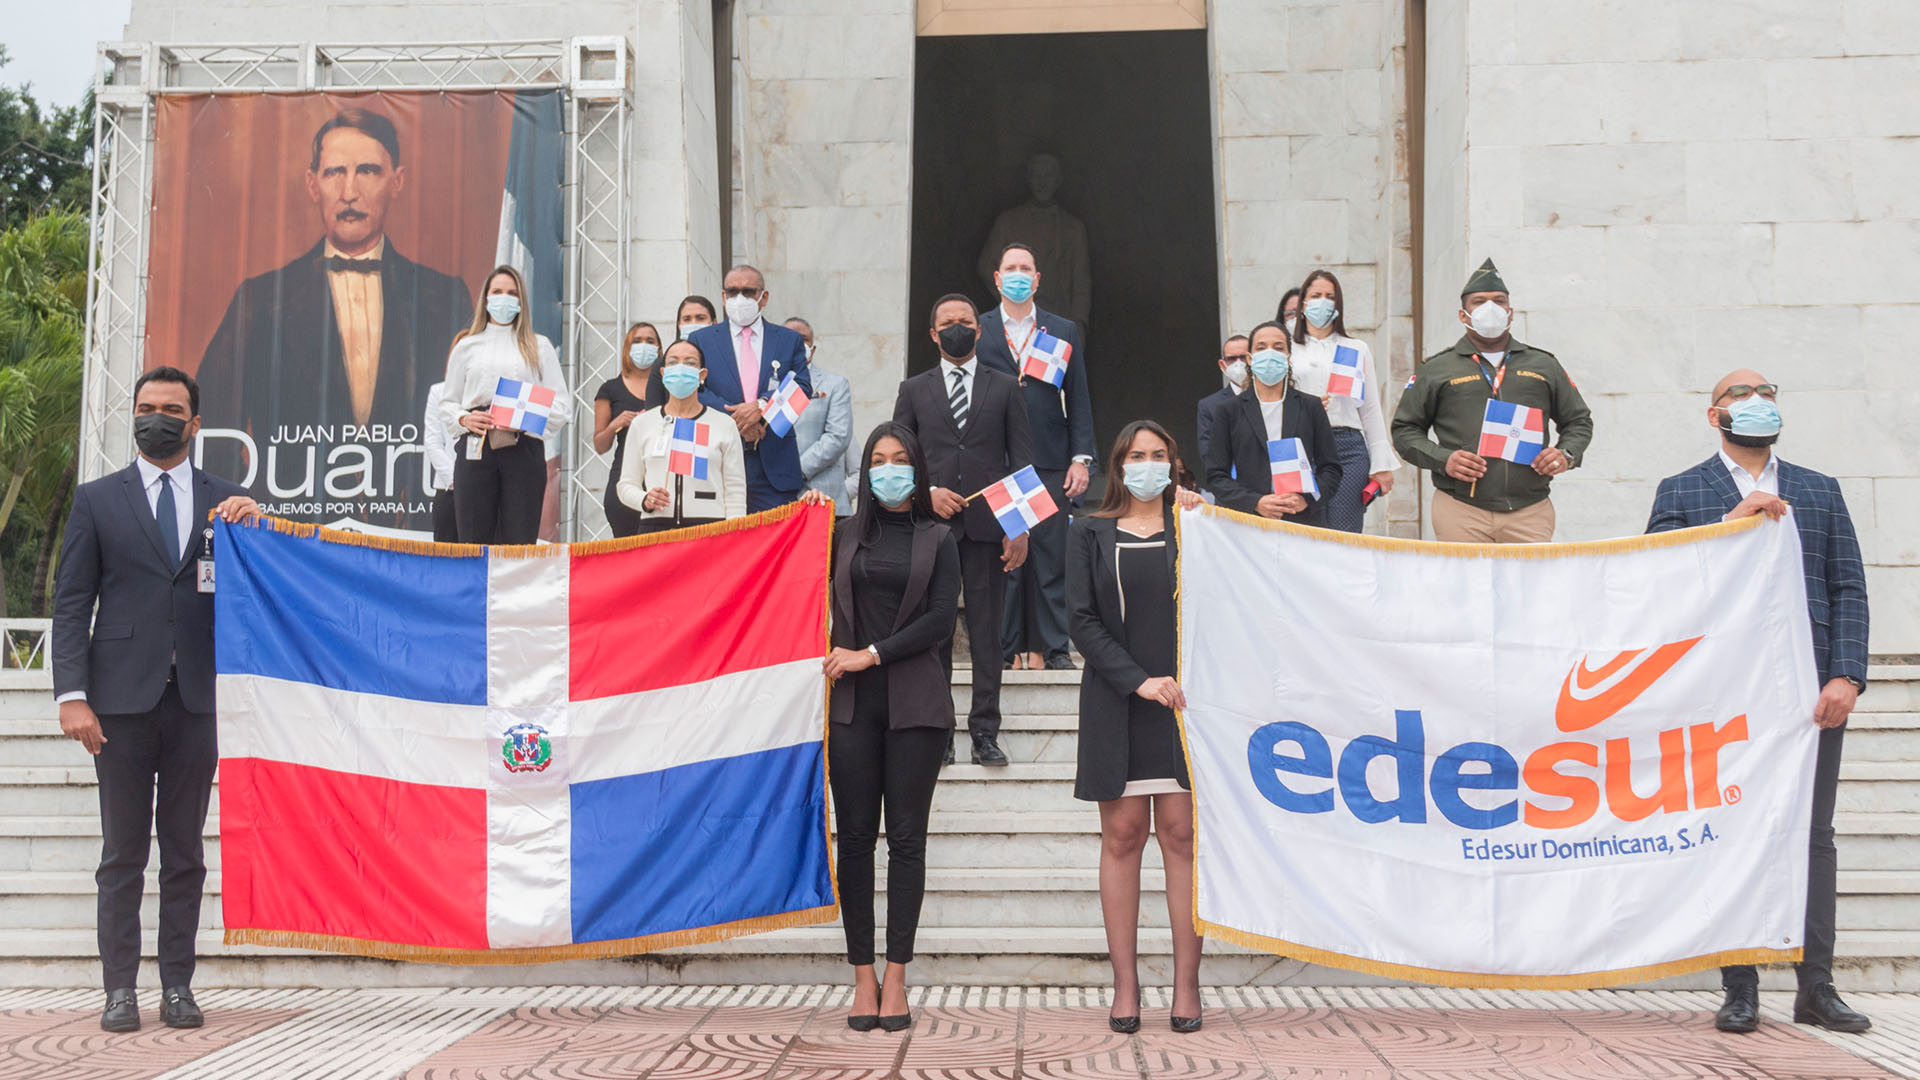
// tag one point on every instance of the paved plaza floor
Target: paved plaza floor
(973, 1032)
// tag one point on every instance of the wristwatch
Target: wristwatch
(1083, 459)
(1859, 685)
(874, 650)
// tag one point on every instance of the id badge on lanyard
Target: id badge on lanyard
(203, 570)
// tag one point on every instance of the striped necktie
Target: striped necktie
(957, 401)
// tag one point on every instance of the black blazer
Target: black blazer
(1209, 407)
(1239, 443)
(151, 614)
(919, 693)
(996, 443)
(1061, 416)
(1094, 623)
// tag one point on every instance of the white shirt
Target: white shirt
(1273, 412)
(1746, 483)
(1312, 362)
(478, 363)
(1018, 330)
(181, 477)
(437, 439)
(1497, 359)
(966, 370)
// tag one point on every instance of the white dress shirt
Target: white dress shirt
(1312, 362)
(181, 477)
(1746, 483)
(478, 363)
(1018, 330)
(437, 439)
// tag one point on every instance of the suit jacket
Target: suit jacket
(1239, 449)
(1204, 431)
(1829, 552)
(919, 691)
(823, 434)
(1061, 416)
(781, 350)
(995, 443)
(276, 359)
(125, 610)
(1095, 624)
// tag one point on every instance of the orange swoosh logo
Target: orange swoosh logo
(1590, 695)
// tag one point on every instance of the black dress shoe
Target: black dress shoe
(864, 1022)
(1821, 1005)
(1185, 1025)
(896, 1023)
(123, 1011)
(986, 751)
(1126, 1025)
(1740, 1013)
(177, 1009)
(1060, 662)
(948, 759)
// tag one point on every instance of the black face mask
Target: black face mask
(957, 340)
(159, 435)
(1751, 442)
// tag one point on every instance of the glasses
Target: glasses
(742, 290)
(1741, 392)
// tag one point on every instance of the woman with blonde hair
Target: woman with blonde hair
(618, 404)
(500, 474)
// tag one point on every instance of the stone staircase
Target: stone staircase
(1012, 895)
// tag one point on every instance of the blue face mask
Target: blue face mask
(892, 484)
(1016, 285)
(1319, 310)
(644, 354)
(503, 308)
(1146, 479)
(1269, 366)
(1753, 415)
(681, 380)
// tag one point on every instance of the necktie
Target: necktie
(957, 401)
(749, 366)
(165, 515)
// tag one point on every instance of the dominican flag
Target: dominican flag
(522, 406)
(1047, 358)
(497, 755)
(1292, 472)
(1020, 502)
(1346, 379)
(783, 409)
(1513, 432)
(689, 448)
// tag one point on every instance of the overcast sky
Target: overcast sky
(53, 48)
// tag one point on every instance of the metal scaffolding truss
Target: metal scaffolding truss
(129, 76)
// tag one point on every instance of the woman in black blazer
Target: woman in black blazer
(1238, 472)
(1121, 614)
(896, 589)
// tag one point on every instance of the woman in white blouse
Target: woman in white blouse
(670, 500)
(500, 473)
(1359, 424)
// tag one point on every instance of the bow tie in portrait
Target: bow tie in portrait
(361, 266)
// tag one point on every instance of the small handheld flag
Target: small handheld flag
(1512, 432)
(784, 407)
(689, 448)
(1047, 358)
(1346, 379)
(1020, 502)
(521, 406)
(1292, 472)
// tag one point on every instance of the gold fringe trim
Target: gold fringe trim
(691, 532)
(548, 954)
(1619, 545)
(1585, 980)
(309, 531)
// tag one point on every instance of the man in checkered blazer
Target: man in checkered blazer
(1746, 478)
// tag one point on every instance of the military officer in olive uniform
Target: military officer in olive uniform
(1437, 426)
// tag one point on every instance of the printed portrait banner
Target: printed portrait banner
(474, 755)
(312, 257)
(1525, 766)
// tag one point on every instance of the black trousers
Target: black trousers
(1036, 617)
(1823, 872)
(986, 596)
(622, 519)
(446, 528)
(179, 751)
(497, 499)
(878, 770)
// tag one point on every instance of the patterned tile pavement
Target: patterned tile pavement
(684, 1033)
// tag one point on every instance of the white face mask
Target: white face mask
(689, 327)
(742, 310)
(1237, 374)
(1490, 320)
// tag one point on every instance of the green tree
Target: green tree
(45, 154)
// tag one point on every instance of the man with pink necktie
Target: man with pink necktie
(747, 357)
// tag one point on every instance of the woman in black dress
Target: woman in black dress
(896, 590)
(619, 401)
(1121, 615)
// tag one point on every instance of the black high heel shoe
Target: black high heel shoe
(1127, 1025)
(864, 1021)
(1185, 1025)
(896, 1023)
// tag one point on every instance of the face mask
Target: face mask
(1290, 322)
(1146, 479)
(892, 484)
(1269, 366)
(643, 354)
(957, 340)
(681, 380)
(159, 435)
(689, 327)
(742, 310)
(1016, 286)
(502, 308)
(1754, 421)
(1319, 310)
(1490, 320)
(1237, 374)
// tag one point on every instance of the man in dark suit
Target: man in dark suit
(1743, 479)
(1062, 421)
(350, 334)
(747, 357)
(134, 680)
(1233, 365)
(972, 426)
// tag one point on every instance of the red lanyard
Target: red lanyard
(1020, 350)
(1499, 374)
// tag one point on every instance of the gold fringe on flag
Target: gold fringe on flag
(1619, 545)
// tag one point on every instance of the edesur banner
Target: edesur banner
(313, 257)
(1547, 766)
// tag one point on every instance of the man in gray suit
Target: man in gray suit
(825, 431)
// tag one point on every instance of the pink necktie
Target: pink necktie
(749, 366)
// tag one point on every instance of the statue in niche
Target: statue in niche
(1058, 240)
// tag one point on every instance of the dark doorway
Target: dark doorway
(1127, 116)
